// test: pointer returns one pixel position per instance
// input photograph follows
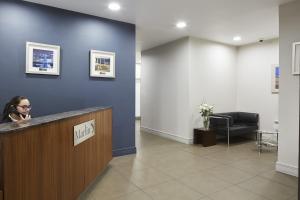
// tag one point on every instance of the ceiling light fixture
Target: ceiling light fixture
(237, 38)
(114, 6)
(181, 25)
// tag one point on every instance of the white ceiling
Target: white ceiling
(217, 20)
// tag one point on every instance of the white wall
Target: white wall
(212, 77)
(138, 85)
(254, 81)
(138, 94)
(289, 31)
(177, 77)
(164, 90)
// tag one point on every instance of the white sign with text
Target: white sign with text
(84, 131)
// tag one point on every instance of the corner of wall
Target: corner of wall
(190, 112)
(170, 85)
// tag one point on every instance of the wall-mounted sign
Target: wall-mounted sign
(84, 131)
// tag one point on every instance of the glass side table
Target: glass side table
(266, 142)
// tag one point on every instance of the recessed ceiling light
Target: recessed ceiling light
(181, 25)
(114, 6)
(237, 38)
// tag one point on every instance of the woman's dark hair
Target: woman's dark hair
(11, 106)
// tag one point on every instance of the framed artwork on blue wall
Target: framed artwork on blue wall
(42, 59)
(102, 64)
(275, 79)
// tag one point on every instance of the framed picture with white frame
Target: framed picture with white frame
(275, 79)
(296, 58)
(102, 64)
(42, 58)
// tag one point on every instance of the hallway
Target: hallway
(167, 170)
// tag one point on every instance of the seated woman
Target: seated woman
(17, 109)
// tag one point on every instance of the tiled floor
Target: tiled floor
(166, 170)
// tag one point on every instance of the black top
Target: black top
(5, 120)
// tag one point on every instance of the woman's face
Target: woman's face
(24, 107)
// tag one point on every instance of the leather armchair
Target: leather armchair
(234, 123)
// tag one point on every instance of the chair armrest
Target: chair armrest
(220, 120)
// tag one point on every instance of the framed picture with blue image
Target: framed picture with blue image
(42, 59)
(275, 79)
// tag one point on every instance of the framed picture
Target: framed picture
(102, 64)
(296, 58)
(42, 58)
(275, 79)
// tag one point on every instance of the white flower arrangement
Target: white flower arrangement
(205, 111)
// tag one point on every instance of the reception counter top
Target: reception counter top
(17, 126)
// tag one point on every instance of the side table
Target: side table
(261, 142)
(205, 137)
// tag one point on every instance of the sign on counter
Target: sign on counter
(84, 131)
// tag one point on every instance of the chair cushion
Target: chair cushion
(237, 129)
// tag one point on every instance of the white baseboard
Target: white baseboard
(167, 135)
(287, 169)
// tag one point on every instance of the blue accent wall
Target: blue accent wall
(76, 34)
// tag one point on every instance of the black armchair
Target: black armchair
(234, 123)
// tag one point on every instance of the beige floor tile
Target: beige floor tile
(128, 168)
(138, 195)
(281, 178)
(110, 185)
(253, 166)
(180, 158)
(229, 174)
(204, 163)
(148, 155)
(229, 156)
(172, 190)
(199, 150)
(86, 196)
(152, 155)
(157, 150)
(269, 157)
(294, 198)
(178, 171)
(122, 159)
(270, 162)
(235, 193)
(268, 189)
(148, 177)
(113, 191)
(181, 169)
(204, 183)
(169, 160)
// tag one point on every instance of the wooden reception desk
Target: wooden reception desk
(38, 159)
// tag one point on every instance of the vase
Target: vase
(206, 122)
